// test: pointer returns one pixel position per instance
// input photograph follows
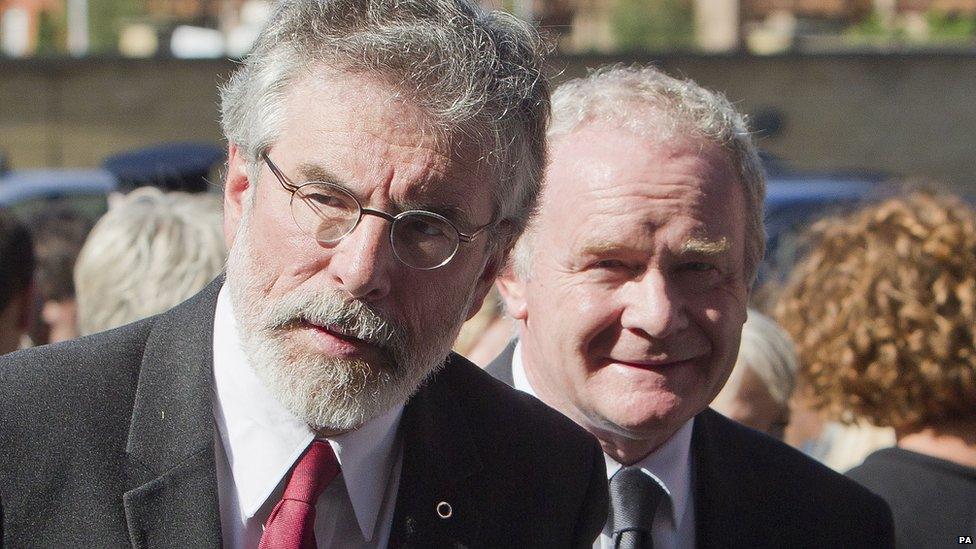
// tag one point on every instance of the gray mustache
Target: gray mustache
(352, 318)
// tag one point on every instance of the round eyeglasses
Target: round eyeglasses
(328, 212)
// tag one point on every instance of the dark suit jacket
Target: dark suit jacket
(753, 491)
(108, 441)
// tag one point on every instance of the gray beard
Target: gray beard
(332, 394)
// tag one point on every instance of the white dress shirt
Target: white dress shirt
(258, 441)
(669, 466)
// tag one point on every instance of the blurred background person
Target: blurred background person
(836, 444)
(59, 233)
(16, 272)
(758, 391)
(151, 251)
(883, 313)
(487, 333)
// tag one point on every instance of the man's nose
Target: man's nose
(654, 306)
(364, 260)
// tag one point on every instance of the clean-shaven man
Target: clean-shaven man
(629, 290)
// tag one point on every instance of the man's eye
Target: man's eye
(619, 266)
(324, 200)
(698, 267)
(423, 228)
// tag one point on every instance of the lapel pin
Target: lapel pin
(444, 510)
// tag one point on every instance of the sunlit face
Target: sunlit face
(632, 313)
(342, 331)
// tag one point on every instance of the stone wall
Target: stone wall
(903, 114)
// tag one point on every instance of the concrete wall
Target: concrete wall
(74, 113)
(907, 114)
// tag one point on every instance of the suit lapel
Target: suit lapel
(722, 482)
(436, 504)
(501, 367)
(173, 495)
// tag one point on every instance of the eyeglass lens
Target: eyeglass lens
(328, 213)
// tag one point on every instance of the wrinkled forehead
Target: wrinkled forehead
(362, 131)
(631, 180)
(601, 157)
(374, 103)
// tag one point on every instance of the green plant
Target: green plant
(653, 25)
(947, 26)
(50, 33)
(870, 26)
(106, 19)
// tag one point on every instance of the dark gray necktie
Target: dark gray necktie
(634, 497)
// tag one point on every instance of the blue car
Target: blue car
(27, 192)
(184, 166)
(795, 200)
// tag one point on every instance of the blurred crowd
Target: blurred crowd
(862, 356)
(65, 276)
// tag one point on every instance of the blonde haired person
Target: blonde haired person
(882, 311)
(151, 251)
(758, 390)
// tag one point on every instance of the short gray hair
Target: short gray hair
(477, 75)
(650, 103)
(768, 351)
(150, 251)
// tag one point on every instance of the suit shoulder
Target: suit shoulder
(503, 407)
(527, 448)
(75, 375)
(784, 469)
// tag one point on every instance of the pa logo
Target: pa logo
(965, 540)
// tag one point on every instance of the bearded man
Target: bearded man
(383, 156)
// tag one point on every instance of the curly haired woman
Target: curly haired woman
(883, 313)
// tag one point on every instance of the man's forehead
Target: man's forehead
(601, 169)
(371, 104)
(361, 133)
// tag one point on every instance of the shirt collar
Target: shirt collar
(262, 440)
(669, 465)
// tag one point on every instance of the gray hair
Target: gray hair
(767, 350)
(150, 251)
(650, 103)
(477, 76)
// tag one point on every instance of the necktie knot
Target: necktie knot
(634, 498)
(291, 524)
(313, 472)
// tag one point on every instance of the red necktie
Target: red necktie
(292, 522)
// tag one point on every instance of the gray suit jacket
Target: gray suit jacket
(753, 491)
(108, 441)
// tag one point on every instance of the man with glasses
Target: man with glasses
(629, 290)
(383, 156)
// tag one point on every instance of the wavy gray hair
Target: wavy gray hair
(650, 103)
(151, 251)
(477, 75)
(768, 351)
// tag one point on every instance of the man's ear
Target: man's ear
(235, 192)
(511, 287)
